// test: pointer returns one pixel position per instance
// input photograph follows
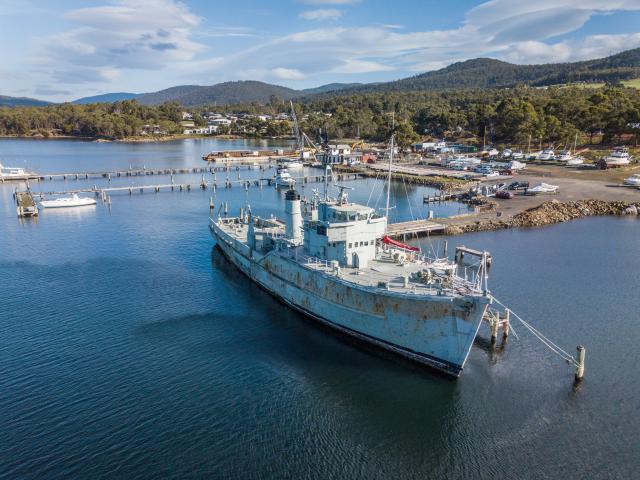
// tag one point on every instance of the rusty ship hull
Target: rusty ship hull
(435, 330)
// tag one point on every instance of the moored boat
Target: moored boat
(284, 178)
(291, 164)
(64, 202)
(336, 265)
(16, 173)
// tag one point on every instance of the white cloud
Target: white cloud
(330, 2)
(288, 73)
(125, 37)
(514, 30)
(538, 52)
(350, 66)
(126, 34)
(321, 14)
(226, 31)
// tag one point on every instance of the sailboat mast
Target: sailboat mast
(296, 130)
(389, 180)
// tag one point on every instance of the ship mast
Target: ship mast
(389, 179)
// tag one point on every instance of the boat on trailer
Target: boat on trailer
(619, 157)
(543, 188)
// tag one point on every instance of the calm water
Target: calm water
(130, 349)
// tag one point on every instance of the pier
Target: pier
(141, 172)
(414, 227)
(440, 197)
(25, 204)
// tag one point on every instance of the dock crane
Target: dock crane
(301, 137)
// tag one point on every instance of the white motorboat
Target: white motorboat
(546, 154)
(543, 188)
(575, 161)
(16, 173)
(517, 155)
(564, 156)
(633, 180)
(284, 178)
(292, 164)
(618, 158)
(507, 153)
(457, 160)
(72, 201)
(515, 165)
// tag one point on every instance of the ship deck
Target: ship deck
(384, 273)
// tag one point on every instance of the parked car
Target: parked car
(483, 169)
(504, 194)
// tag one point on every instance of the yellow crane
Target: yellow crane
(359, 143)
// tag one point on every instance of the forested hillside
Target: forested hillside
(6, 101)
(107, 98)
(489, 73)
(552, 115)
(106, 120)
(221, 93)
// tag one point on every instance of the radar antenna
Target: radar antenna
(342, 196)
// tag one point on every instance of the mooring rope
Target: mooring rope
(540, 336)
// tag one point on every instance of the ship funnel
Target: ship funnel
(293, 215)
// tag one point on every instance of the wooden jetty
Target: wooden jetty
(25, 204)
(440, 197)
(141, 172)
(414, 227)
(214, 184)
(249, 155)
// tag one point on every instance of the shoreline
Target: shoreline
(139, 139)
(550, 212)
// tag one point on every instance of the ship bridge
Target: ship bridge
(344, 232)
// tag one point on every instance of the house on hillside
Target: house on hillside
(152, 130)
(216, 122)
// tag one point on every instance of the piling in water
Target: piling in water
(580, 360)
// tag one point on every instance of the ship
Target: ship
(335, 264)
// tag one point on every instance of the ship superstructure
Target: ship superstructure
(334, 263)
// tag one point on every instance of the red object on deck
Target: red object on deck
(395, 243)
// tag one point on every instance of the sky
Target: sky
(60, 50)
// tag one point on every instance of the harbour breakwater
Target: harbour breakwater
(547, 213)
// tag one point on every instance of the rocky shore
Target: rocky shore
(547, 213)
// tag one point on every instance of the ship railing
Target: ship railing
(442, 284)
